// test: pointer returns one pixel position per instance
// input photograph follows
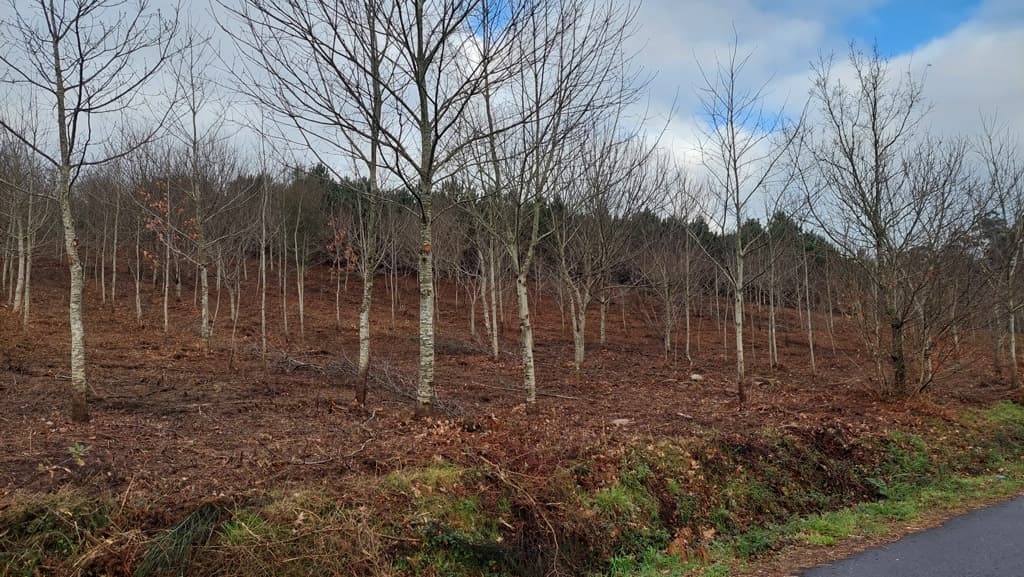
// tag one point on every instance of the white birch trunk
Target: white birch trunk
(810, 322)
(19, 286)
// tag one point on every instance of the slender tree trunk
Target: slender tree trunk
(204, 300)
(7, 286)
(738, 288)
(113, 253)
(177, 278)
(578, 304)
(667, 324)
(526, 339)
(138, 274)
(1012, 334)
(485, 295)
(263, 274)
(336, 270)
(425, 387)
(26, 299)
(394, 280)
(79, 383)
(300, 283)
(202, 249)
(473, 296)
(19, 286)
(369, 260)
(218, 281)
(103, 263)
(810, 322)
(282, 270)
(603, 322)
(492, 284)
(830, 324)
(899, 362)
(773, 347)
(168, 239)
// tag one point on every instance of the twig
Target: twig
(504, 477)
(359, 450)
(124, 499)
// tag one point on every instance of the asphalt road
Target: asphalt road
(985, 543)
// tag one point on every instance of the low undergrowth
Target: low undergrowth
(708, 506)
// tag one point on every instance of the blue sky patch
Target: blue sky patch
(900, 26)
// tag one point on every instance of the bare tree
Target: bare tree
(742, 148)
(889, 197)
(1002, 228)
(615, 179)
(25, 183)
(428, 76)
(668, 261)
(326, 62)
(92, 59)
(574, 71)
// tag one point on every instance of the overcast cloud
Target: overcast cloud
(974, 67)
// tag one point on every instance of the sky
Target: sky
(969, 52)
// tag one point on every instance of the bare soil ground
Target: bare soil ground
(176, 425)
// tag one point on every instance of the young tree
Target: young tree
(92, 60)
(889, 197)
(329, 78)
(573, 73)
(1002, 228)
(428, 77)
(742, 148)
(615, 180)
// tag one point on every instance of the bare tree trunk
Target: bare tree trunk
(899, 362)
(526, 339)
(489, 326)
(603, 302)
(394, 280)
(168, 236)
(667, 324)
(578, 314)
(19, 286)
(218, 281)
(300, 284)
(369, 262)
(282, 270)
(336, 270)
(492, 285)
(263, 273)
(1012, 334)
(79, 383)
(687, 294)
(177, 278)
(810, 322)
(741, 369)
(425, 386)
(828, 305)
(205, 331)
(26, 299)
(103, 263)
(138, 274)
(113, 253)
(773, 347)
(473, 296)
(8, 287)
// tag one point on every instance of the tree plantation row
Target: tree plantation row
(501, 146)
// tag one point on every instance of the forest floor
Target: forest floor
(176, 427)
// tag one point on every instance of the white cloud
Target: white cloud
(974, 69)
